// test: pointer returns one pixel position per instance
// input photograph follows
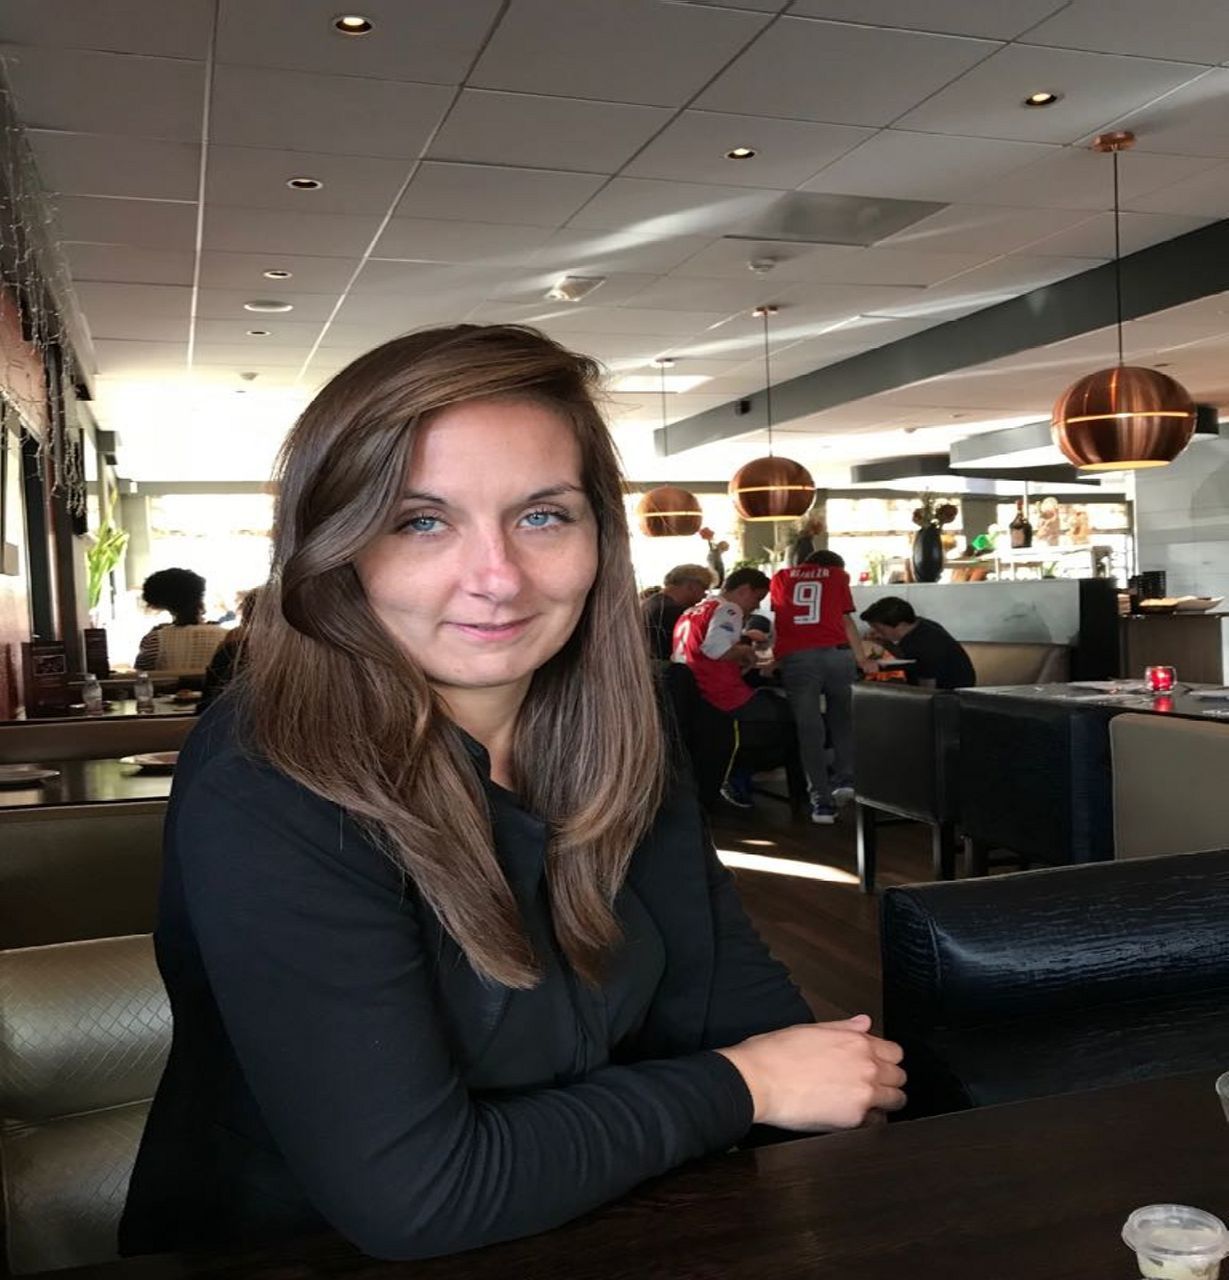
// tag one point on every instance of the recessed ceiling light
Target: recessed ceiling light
(276, 273)
(305, 184)
(352, 24)
(258, 333)
(267, 305)
(1042, 98)
(573, 288)
(740, 153)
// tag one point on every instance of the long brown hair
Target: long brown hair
(329, 698)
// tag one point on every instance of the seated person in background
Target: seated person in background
(939, 661)
(683, 586)
(450, 955)
(186, 643)
(228, 656)
(709, 639)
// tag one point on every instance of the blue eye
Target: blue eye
(546, 519)
(422, 524)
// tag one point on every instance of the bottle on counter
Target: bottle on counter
(1020, 529)
(91, 695)
(143, 691)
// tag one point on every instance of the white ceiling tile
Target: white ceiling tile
(1206, 194)
(398, 312)
(245, 271)
(826, 264)
(1080, 178)
(271, 231)
(925, 166)
(694, 293)
(529, 287)
(115, 262)
(787, 152)
(1192, 121)
(180, 30)
(647, 207)
(809, 70)
(629, 349)
(582, 252)
(1096, 88)
(993, 19)
(1190, 30)
(634, 51)
(116, 356)
(84, 92)
(227, 304)
(159, 301)
(434, 43)
(343, 115)
(962, 228)
(245, 357)
(256, 178)
(281, 334)
(145, 328)
(479, 243)
(1095, 236)
(530, 197)
(90, 164)
(424, 280)
(145, 224)
(634, 320)
(545, 133)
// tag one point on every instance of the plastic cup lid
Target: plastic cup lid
(1176, 1231)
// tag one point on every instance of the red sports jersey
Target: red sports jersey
(809, 604)
(701, 635)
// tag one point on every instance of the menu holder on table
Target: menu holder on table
(44, 669)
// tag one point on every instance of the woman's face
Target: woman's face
(493, 550)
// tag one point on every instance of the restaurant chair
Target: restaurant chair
(998, 662)
(706, 734)
(1170, 792)
(1034, 781)
(84, 1031)
(906, 741)
(1052, 981)
(105, 738)
(80, 871)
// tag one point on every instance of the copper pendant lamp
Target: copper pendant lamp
(1125, 417)
(668, 511)
(771, 488)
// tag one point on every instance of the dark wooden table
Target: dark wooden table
(1031, 1191)
(88, 782)
(1179, 703)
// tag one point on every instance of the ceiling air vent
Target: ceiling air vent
(810, 217)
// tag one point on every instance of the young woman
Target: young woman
(187, 642)
(451, 959)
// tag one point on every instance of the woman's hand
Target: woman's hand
(826, 1075)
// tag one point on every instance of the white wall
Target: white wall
(1183, 517)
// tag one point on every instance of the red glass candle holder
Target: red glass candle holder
(1160, 679)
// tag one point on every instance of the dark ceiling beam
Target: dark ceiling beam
(1164, 275)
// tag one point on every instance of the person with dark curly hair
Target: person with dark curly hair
(187, 642)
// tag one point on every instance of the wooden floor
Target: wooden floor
(824, 930)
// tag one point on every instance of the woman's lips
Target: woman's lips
(491, 632)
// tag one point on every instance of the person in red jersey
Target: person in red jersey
(819, 651)
(710, 639)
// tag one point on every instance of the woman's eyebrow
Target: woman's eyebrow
(551, 491)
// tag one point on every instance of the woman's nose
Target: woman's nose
(491, 568)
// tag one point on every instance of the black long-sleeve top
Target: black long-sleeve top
(336, 1061)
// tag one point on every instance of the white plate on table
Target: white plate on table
(25, 775)
(1212, 695)
(888, 663)
(153, 761)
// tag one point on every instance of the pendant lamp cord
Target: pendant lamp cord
(1117, 261)
(767, 385)
(665, 419)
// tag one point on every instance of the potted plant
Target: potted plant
(930, 517)
(108, 546)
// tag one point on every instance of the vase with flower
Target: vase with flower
(930, 517)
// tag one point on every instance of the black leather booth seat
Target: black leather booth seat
(1044, 982)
